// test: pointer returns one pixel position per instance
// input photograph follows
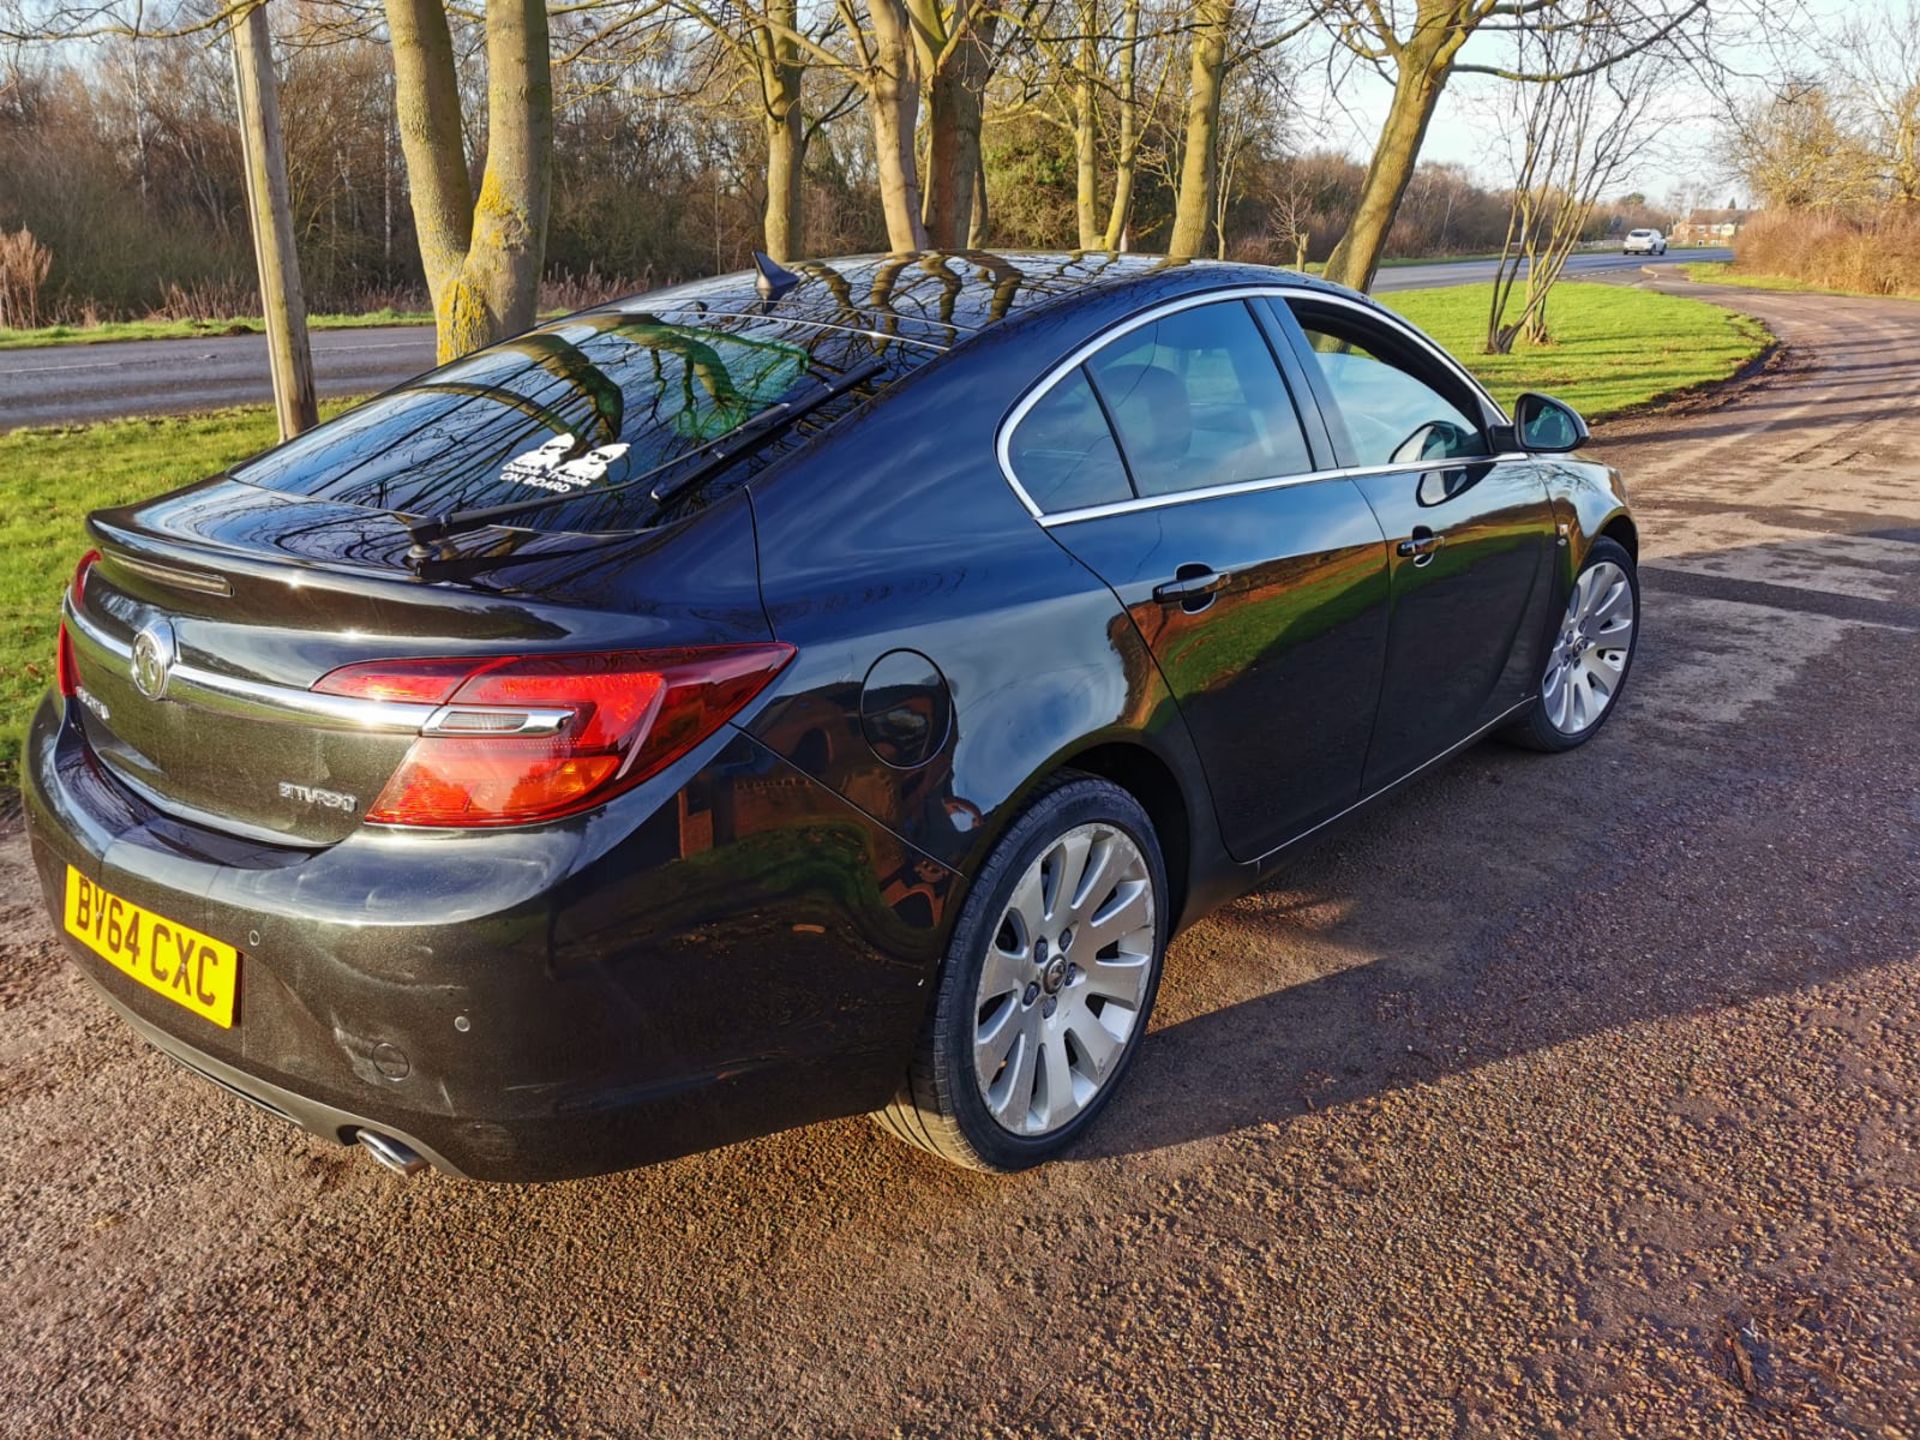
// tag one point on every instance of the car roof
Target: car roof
(940, 299)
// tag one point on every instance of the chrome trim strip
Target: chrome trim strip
(1394, 784)
(532, 722)
(1412, 332)
(1278, 482)
(84, 629)
(255, 700)
(1003, 439)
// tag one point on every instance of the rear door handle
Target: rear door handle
(1419, 546)
(1192, 588)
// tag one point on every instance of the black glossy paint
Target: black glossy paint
(1471, 617)
(747, 940)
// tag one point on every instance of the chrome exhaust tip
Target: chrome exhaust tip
(397, 1157)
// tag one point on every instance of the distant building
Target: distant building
(1705, 227)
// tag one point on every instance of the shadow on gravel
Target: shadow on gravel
(1514, 902)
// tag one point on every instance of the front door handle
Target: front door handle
(1192, 588)
(1419, 546)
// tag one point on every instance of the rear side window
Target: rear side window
(1063, 452)
(598, 407)
(1198, 400)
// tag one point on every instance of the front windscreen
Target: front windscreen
(598, 408)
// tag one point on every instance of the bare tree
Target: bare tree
(483, 251)
(1876, 57)
(1568, 144)
(1126, 157)
(282, 301)
(1200, 163)
(1415, 46)
(778, 44)
(1794, 149)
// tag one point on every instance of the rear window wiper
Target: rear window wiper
(716, 458)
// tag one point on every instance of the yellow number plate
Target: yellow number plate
(187, 967)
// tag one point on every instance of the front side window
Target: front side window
(1197, 400)
(1396, 409)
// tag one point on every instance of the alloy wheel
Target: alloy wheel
(1065, 977)
(1590, 655)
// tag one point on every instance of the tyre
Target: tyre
(1045, 991)
(1591, 657)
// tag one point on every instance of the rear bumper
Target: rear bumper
(309, 1114)
(728, 950)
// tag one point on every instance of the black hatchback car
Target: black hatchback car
(792, 695)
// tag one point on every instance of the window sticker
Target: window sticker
(548, 467)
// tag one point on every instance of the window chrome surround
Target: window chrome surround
(288, 704)
(1003, 440)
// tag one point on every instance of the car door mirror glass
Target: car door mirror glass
(1546, 425)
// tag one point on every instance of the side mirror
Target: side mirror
(1544, 424)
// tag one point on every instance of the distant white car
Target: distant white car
(1644, 242)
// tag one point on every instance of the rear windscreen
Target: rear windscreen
(597, 409)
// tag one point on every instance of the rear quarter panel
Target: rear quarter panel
(899, 532)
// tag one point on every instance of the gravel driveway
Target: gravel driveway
(1570, 1096)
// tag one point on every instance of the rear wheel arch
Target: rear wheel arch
(1143, 774)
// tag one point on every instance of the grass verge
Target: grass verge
(1719, 272)
(1614, 349)
(193, 329)
(54, 477)
(1617, 349)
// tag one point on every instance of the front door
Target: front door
(1261, 590)
(1470, 536)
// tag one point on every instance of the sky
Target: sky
(1464, 129)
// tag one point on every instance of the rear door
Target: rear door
(1175, 463)
(1470, 534)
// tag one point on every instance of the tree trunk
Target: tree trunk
(1199, 167)
(783, 224)
(893, 100)
(426, 101)
(781, 73)
(956, 107)
(482, 257)
(1086, 176)
(498, 292)
(1424, 67)
(977, 222)
(289, 357)
(1127, 155)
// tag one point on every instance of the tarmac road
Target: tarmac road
(1572, 1096)
(70, 384)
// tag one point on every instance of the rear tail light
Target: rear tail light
(66, 668)
(529, 738)
(77, 591)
